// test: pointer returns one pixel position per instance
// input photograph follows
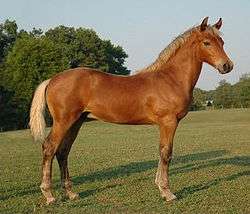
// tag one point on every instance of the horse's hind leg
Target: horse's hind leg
(49, 148)
(62, 156)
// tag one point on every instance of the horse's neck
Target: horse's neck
(184, 68)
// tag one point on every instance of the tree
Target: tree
(83, 47)
(31, 61)
(199, 98)
(223, 97)
(114, 59)
(8, 110)
(8, 35)
(28, 58)
(242, 91)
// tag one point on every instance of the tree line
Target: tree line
(29, 57)
(226, 95)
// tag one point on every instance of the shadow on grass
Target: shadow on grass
(191, 165)
(19, 193)
(237, 160)
(90, 192)
(137, 167)
(186, 191)
(191, 161)
(199, 156)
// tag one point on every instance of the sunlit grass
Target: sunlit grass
(113, 168)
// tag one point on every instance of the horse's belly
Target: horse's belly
(120, 117)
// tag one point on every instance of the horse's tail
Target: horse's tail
(37, 122)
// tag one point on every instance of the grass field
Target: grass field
(113, 168)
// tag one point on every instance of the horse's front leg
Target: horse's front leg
(168, 127)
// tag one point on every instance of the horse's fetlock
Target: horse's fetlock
(45, 186)
(67, 185)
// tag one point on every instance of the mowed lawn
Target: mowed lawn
(113, 168)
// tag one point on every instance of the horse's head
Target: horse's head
(210, 47)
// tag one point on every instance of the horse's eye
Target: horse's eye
(206, 43)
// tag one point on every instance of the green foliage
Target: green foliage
(8, 34)
(225, 95)
(28, 58)
(8, 110)
(30, 61)
(83, 47)
(199, 97)
(242, 91)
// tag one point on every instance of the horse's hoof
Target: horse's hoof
(50, 201)
(168, 196)
(73, 196)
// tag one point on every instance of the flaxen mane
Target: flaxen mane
(171, 49)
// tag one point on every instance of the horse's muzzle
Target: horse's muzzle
(226, 67)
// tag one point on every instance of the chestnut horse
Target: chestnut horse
(159, 94)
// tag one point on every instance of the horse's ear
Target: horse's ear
(204, 24)
(218, 24)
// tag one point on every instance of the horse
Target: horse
(158, 94)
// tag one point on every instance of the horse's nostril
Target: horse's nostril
(225, 66)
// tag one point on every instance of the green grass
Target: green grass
(113, 168)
